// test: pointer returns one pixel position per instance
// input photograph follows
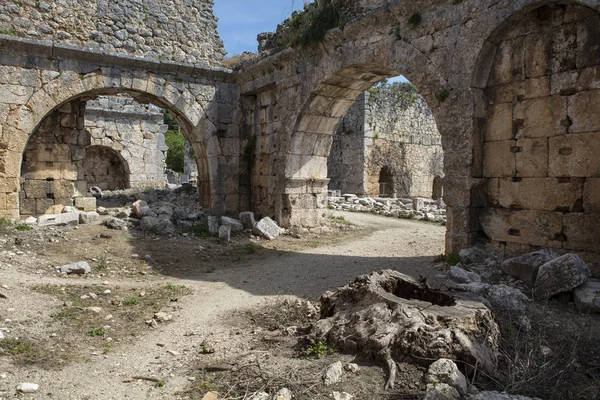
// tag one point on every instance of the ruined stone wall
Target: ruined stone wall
(541, 139)
(166, 30)
(52, 171)
(383, 129)
(135, 131)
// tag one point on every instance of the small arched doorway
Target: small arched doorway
(105, 168)
(386, 182)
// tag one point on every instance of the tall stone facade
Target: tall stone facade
(541, 135)
(387, 145)
(132, 130)
(166, 30)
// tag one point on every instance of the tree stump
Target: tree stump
(391, 316)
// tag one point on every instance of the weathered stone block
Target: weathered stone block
(225, 233)
(499, 159)
(583, 111)
(267, 228)
(559, 275)
(85, 203)
(582, 232)
(532, 158)
(587, 297)
(543, 117)
(526, 267)
(59, 219)
(536, 228)
(42, 205)
(499, 125)
(247, 219)
(574, 155)
(549, 194)
(591, 196)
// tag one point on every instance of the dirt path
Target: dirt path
(404, 245)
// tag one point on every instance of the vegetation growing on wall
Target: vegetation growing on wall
(309, 26)
(175, 142)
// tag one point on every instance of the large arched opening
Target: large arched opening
(58, 163)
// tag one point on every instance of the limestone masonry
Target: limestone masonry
(513, 88)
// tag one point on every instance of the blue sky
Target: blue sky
(241, 20)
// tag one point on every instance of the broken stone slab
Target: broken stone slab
(267, 228)
(587, 297)
(79, 268)
(116, 223)
(525, 267)
(88, 217)
(247, 219)
(59, 219)
(213, 224)
(141, 209)
(234, 224)
(445, 371)
(562, 274)
(420, 323)
(507, 298)
(225, 233)
(333, 373)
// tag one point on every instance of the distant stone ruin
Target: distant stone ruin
(387, 146)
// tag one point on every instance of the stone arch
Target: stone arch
(105, 168)
(534, 152)
(341, 76)
(69, 87)
(386, 182)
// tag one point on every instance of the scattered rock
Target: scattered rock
(267, 228)
(441, 391)
(507, 298)
(446, 371)
(473, 255)
(234, 224)
(342, 396)
(162, 316)
(247, 219)
(79, 268)
(88, 217)
(164, 227)
(352, 367)
(587, 297)
(333, 373)
(141, 209)
(27, 387)
(148, 223)
(261, 396)
(96, 192)
(562, 274)
(213, 224)
(116, 223)
(95, 310)
(526, 267)
(31, 220)
(458, 274)
(102, 210)
(225, 233)
(208, 346)
(283, 394)
(211, 396)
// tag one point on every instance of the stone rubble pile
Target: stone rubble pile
(418, 208)
(509, 284)
(161, 211)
